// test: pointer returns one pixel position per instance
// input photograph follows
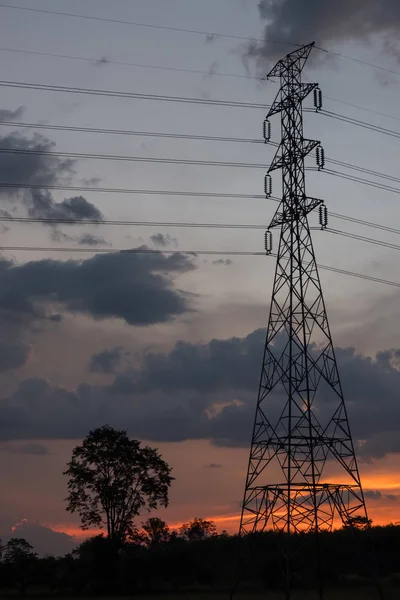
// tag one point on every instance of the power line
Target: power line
(105, 61)
(83, 188)
(187, 252)
(145, 159)
(358, 106)
(357, 60)
(209, 73)
(176, 193)
(153, 134)
(358, 123)
(386, 228)
(360, 169)
(362, 238)
(157, 134)
(182, 99)
(363, 181)
(129, 95)
(212, 34)
(208, 34)
(192, 225)
(171, 193)
(178, 224)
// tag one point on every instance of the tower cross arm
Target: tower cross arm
(300, 55)
(290, 211)
(281, 104)
(283, 158)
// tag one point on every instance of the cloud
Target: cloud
(72, 209)
(225, 263)
(88, 239)
(31, 163)
(326, 22)
(44, 540)
(31, 168)
(11, 115)
(92, 181)
(202, 391)
(101, 61)
(218, 365)
(373, 495)
(213, 466)
(225, 373)
(162, 240)
(106, 361)
(136, 288)
(377, 495)
(29, 448)
(13, 356)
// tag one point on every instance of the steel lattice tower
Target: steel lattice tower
(302, 474)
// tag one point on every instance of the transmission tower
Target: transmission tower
(302, 474)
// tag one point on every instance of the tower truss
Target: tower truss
(302, 474)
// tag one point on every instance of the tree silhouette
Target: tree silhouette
(198, 529)
(155, 531)
(19, 561)
(112, 478)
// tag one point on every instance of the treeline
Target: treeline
(197, 558)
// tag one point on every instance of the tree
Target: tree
(155, 531)
(112, 478)
(19, 561)
(198, 529)
(358, 522)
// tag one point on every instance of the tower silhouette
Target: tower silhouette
(302, 473)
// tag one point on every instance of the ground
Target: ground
(351, 594)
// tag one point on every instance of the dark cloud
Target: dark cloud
(88, 239)
(93, 181)
(31, 168)
(107, 361)
(11, 115)
(213, 466)
(162, 240)
(220, 364)
(326, 22)
(101, 61)
(56, 318)
(377, 495)
(137, 288)
(30, 162)
(204, 391)
(227, 372)
(71, 209)
(13, 356)
(373, 495)
(28, 448)
(224, 263)
(44, 540)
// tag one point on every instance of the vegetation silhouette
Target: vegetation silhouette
(112, 478)
(166, 561)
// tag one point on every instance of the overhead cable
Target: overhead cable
(76, 250)
(129, 95)
(210, 73)
(209, 34)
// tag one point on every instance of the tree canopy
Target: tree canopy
(198, 529)
(112, 478)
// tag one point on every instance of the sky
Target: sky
(170, 346)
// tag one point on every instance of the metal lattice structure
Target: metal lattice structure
(302, 474)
